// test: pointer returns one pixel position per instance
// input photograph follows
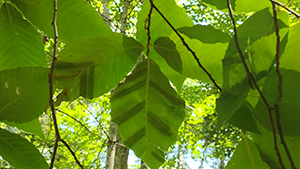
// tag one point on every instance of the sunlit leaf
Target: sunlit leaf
(148, 113)
(75, 19)
(92, 67)
(247, 156)
(20, 44)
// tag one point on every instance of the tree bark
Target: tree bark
(180, 157)
(117, 153)
(124, 16)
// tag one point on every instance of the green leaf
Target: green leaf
(24, 94)
(244, 119)
(92, 67)
(20, 44)
(148, 112)
(206, 34)
(220, 4)
(251, 6)
(247, 156)
(177, 17)
(265, 145)
(289, 58)
(33, 127)
(167, 49)
(75, 19)
(289, 105)
(19, 152)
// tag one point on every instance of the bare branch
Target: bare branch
(288, 9)
(72, 152)
(251, 79)
(276, 106)
(75, 120)
(51, 101)
(187, 46)
(147, 26)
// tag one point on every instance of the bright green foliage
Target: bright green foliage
(85, 67)
(148, 112)
(76, 19)
(16, 49)
(246, 156)
(19, 152)
(24, 94)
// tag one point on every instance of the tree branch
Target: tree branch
(72, 152)
(51, 101)
(251, 79)
(288, 9)
(276, 106)
(147, 26)
(75, 120)
(50, 81)
(187, 46)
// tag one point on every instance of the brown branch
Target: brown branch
(288, 9)
(51, 101)
(102, 128)
(148, 22)
(276, 106)
(255, 84)
(187, 46)
(72, 152)
(75, 120)
(50, 81)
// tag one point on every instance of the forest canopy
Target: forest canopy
(82, 82)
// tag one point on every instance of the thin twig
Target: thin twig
(72, 152)
(148, 22)
(102, 128)
(187, 46)
(255, 84)
(276, 106)
(75, 120)
(288, 9)
(51, 101)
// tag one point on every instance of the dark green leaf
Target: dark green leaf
(167, 49)
(19, 152)
(148, 112)
(244, 119)
(24, 94)
(206, 34)
(20, 44)
(92, 67)
(289, 106)
(265, 145)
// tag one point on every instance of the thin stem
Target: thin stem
(288, 9)
(276, 106)
(187, 46)
(50, 81)
(72, 152)
(148, 22)
(251, 79)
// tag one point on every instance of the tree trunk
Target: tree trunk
(180, 157)
(117, 153)
(124, 16)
